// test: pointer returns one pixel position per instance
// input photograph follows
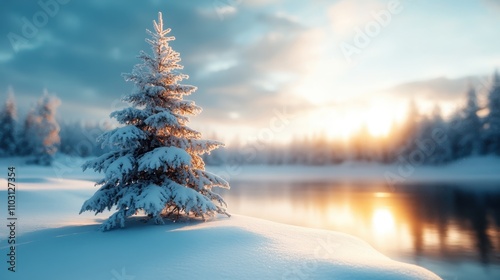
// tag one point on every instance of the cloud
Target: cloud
(346, 15)
(442, 89)
(259, 2)
(494, 4)
(5, 56)
(254, 77)
(241, 64)
(80, 45)
(281, 21)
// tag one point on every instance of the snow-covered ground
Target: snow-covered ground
(54, 242)
(228, 248)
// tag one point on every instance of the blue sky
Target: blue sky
(252, 59)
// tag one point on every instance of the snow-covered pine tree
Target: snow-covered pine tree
(436, 130)
(409, 131)
(8, 125)
(155, 164)
(43, 130)
(469, 142)
(26, 134)
(492, 129)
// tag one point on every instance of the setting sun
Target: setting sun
(340, 123)
(379, 121)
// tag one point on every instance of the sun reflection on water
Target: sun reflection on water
(383, 221)
(429, 221)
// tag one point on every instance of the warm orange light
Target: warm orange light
(383, 221)
(346, 123)
(379, 121)
(381, 194)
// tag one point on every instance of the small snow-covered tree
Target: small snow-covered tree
(42, 130)
(434, 131)
(26, 135)
(492, 124)
(78, 139)
(409, 131)
(469, 128)
(8, 124)
(155, 164)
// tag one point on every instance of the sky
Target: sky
(266, 70)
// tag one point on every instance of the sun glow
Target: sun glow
(382, 194)
(379, 121)
(383, 221)
(345, 122)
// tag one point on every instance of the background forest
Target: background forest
(472, 129)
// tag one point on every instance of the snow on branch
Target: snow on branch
(126, 137)
(163, 119)
(164, 157)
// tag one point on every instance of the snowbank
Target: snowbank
(228, 248)
(53, 242)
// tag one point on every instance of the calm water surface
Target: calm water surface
(453, 230)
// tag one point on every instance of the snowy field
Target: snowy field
(54, 242)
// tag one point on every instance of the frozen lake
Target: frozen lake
(451, 229)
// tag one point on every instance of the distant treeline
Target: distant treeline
(420, 139)
(39, 136)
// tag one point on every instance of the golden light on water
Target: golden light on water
(409, 222)
(390, 221)
(383, 221)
